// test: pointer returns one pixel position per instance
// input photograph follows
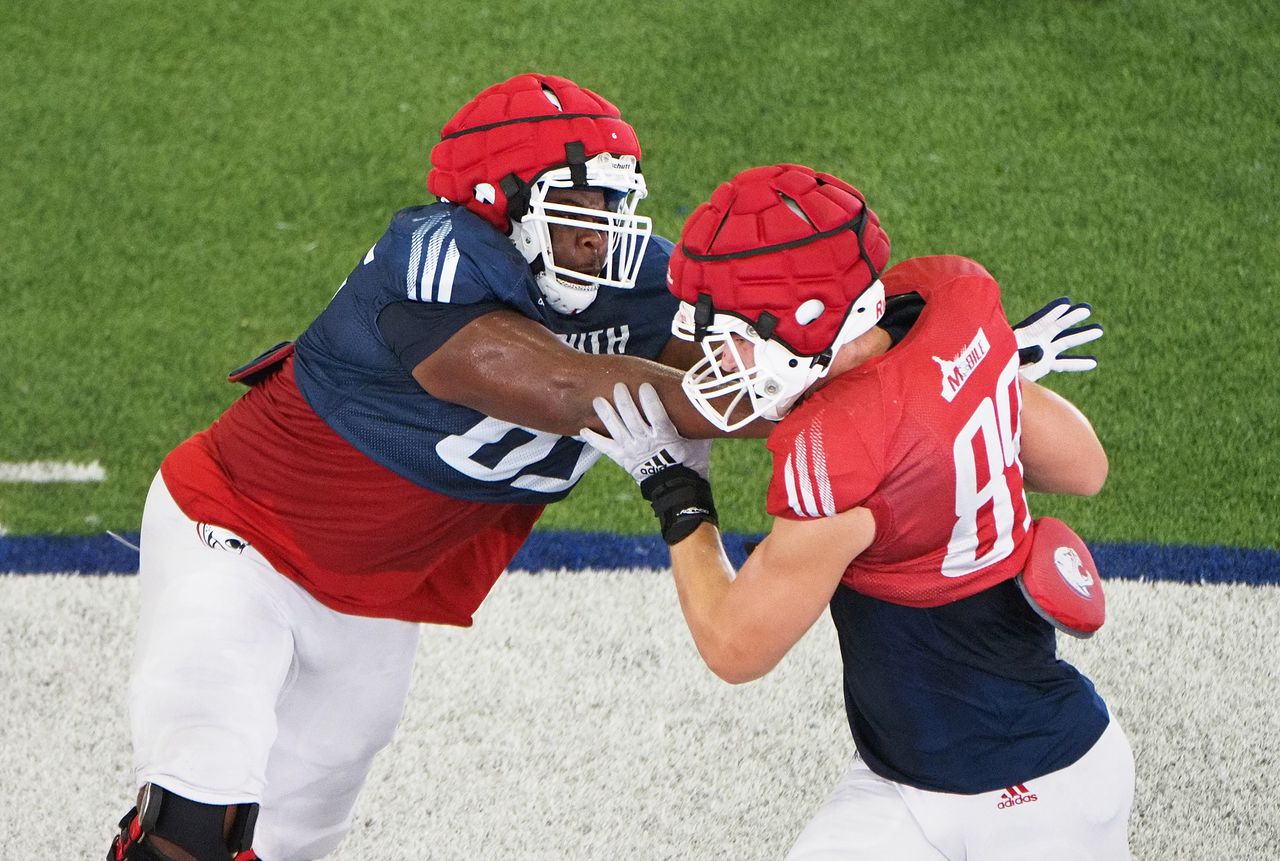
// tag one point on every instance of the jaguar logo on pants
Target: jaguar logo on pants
(217, 538)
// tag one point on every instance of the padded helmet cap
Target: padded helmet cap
(500, 141)
(786, 246)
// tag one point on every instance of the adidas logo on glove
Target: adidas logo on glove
(657, 463)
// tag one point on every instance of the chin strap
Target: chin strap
(562, 298)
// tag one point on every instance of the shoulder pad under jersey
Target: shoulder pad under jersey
(444, 253)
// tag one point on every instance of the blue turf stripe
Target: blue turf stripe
(101, 554)
(82, 554)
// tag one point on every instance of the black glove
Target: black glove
(681, 499)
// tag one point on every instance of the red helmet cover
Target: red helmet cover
(753, 211)
(517, 127)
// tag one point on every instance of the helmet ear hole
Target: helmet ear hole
(809, 311)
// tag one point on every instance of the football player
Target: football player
(383, 471)
(906, 441)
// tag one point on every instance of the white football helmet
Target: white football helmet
(566, 290)
(772, 378)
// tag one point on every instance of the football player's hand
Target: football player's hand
(1047, 334)
(642, 440)
(671, 470)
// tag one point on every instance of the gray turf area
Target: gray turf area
(575, 721)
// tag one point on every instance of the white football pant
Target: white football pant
(1078, 813)
(247, 689)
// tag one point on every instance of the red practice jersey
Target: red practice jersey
(354, 534)
(926, 436)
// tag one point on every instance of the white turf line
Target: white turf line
(575, 721)
(50, 471)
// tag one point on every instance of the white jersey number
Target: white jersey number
(494, 450)
(992, 436)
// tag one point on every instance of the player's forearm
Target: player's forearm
(573, 386)
(510, 368)
(704, 579)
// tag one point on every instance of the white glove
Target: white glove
(644, 444)
(1048, 333)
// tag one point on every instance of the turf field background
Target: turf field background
(182, 185)
(575, 722)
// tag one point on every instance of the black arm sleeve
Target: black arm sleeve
(900, 313)
(415, 330)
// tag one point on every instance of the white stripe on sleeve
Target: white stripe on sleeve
(789, 476)
(804, 480)
(820, 473)
(413, 277)
(445, 292)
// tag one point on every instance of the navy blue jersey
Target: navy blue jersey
(442, 253)
(965, 697)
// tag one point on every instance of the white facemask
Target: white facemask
(565, 290)
(773, 379)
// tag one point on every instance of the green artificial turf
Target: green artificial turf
(182, 185)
